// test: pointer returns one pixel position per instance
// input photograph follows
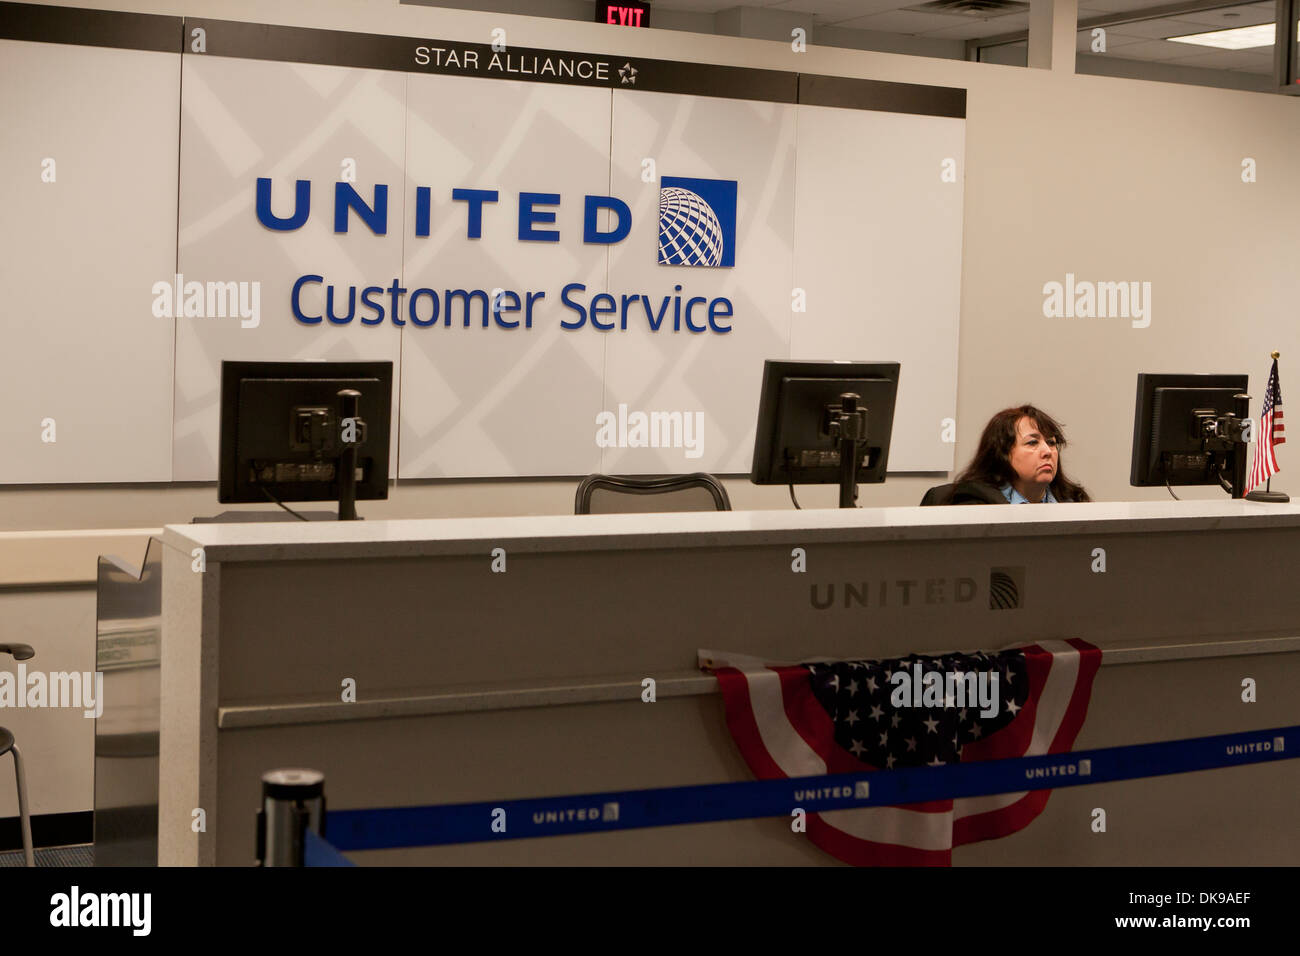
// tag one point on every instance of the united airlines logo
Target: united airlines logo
(604, 814)
(1005, 588)
(861, 790)
(1081, 769)
(697, 222)
(1277, 745)
(697, 227)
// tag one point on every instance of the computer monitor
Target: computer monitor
(1188, 430)
(289, 430)
(803, 423)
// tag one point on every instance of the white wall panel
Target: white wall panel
(717, 374)
(500, 402)
(846, 204)
(878, 249)
(79, 343)
(245, 119)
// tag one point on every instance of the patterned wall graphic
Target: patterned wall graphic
(547, 245)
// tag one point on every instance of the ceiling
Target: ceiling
(945, 34)
(1143, 40)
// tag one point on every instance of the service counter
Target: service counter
(504, 658)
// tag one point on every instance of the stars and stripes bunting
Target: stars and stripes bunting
(839, 717)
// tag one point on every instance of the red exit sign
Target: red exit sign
(623, 13)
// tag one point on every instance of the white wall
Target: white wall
(83, 127)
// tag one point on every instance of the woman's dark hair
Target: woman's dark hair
(992, 461)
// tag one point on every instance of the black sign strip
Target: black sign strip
(258, 41)
(878, 95)
(262, 41)
(706, 79)
(41, 23)
(413, 55)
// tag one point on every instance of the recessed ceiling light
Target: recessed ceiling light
(1237, 38)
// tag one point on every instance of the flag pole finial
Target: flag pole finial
(1275, 353)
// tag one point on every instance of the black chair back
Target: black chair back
(964, 493)
(608, 494)
(938, 495)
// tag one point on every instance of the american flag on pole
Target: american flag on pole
(1271, 434)
(839, 717)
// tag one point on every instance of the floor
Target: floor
(83, 855)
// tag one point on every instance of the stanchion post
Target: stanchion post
(293, 801)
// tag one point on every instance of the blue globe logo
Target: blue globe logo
(689, 231)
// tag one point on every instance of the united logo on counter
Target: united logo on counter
(1006, 592)
(1006, 585)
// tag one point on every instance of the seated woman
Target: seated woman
(1017, 462)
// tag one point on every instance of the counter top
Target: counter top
(295, 540)
(31, 559)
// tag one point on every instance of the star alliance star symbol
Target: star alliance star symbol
(627, 73)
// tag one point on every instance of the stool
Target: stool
(20, 652)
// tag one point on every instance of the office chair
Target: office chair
(695, 492)
(20, 652)
(964, 493)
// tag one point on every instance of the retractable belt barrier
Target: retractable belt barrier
(443, 824)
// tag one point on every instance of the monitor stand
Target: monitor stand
(236, 517)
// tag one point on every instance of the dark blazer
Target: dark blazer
(964, 493)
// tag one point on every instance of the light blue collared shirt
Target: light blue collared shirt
(1016, 498)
